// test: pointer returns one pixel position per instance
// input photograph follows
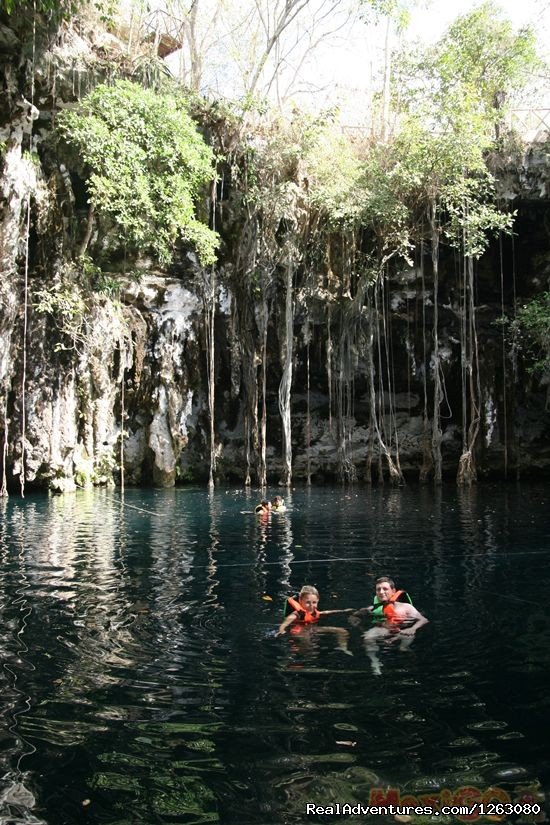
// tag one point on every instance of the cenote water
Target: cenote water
(141, 682)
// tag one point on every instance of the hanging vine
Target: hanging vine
(4, 486)
(285, 387)
(209, 305)
(427, 461)
(437, 433)
(466, 467)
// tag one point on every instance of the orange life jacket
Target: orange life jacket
(388, 610)
(303, 616)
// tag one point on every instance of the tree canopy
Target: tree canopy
(145, 164)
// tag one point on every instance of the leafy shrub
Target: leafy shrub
(534, 318)
(146, 166)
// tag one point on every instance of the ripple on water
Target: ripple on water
(438, 782)
(484, 758)
(345, 726)
(511, 734)
(505, 774)
(463, 742)
(488, 724)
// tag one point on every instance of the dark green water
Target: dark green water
(140, 683)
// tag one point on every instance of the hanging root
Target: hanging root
(396, 476)
(368, 464)
(427, 458)
(4, 487)
(466, 474)
(285, 385)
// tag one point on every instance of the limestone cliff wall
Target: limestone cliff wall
(101, 382)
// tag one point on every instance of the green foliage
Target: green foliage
(397, 10)
(471, 74)
(68, 308)
(278, 148)
(271, 179)
(59, 10)
(449, 98)
(534, 319)
(389, 188)
(481, 56)
(449, 101)
(151, 71)
(446, 170)
(335, 173)
(93, 277)
(473, 216)
(146, 166)
(70, 302)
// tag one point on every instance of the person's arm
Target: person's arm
(290, 619)
(419, 622)
(355, 618)
(341, 610)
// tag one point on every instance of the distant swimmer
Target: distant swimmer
(395, 619)
(305, 614)
(278, 504)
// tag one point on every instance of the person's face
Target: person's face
(309, 602)
(384, 591)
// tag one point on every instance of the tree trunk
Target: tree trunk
(387, 79)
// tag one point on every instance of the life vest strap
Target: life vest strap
(387, 611)
(304, 616)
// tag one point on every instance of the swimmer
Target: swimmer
(396, 621)
(263, 507)
(278, 504)
(305, 616)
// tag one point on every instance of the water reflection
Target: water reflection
(141, 683)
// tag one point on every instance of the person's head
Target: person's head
(265, 504)
(277, 501)
(384, 588)
(309, 598)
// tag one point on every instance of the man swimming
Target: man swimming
(396, 620)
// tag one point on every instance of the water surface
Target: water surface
(141, 682)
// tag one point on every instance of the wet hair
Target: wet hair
(278, 500)
(385, 579)
(264, 502)
(308, 590)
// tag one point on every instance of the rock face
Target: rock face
(131, 367)
(109, 382)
